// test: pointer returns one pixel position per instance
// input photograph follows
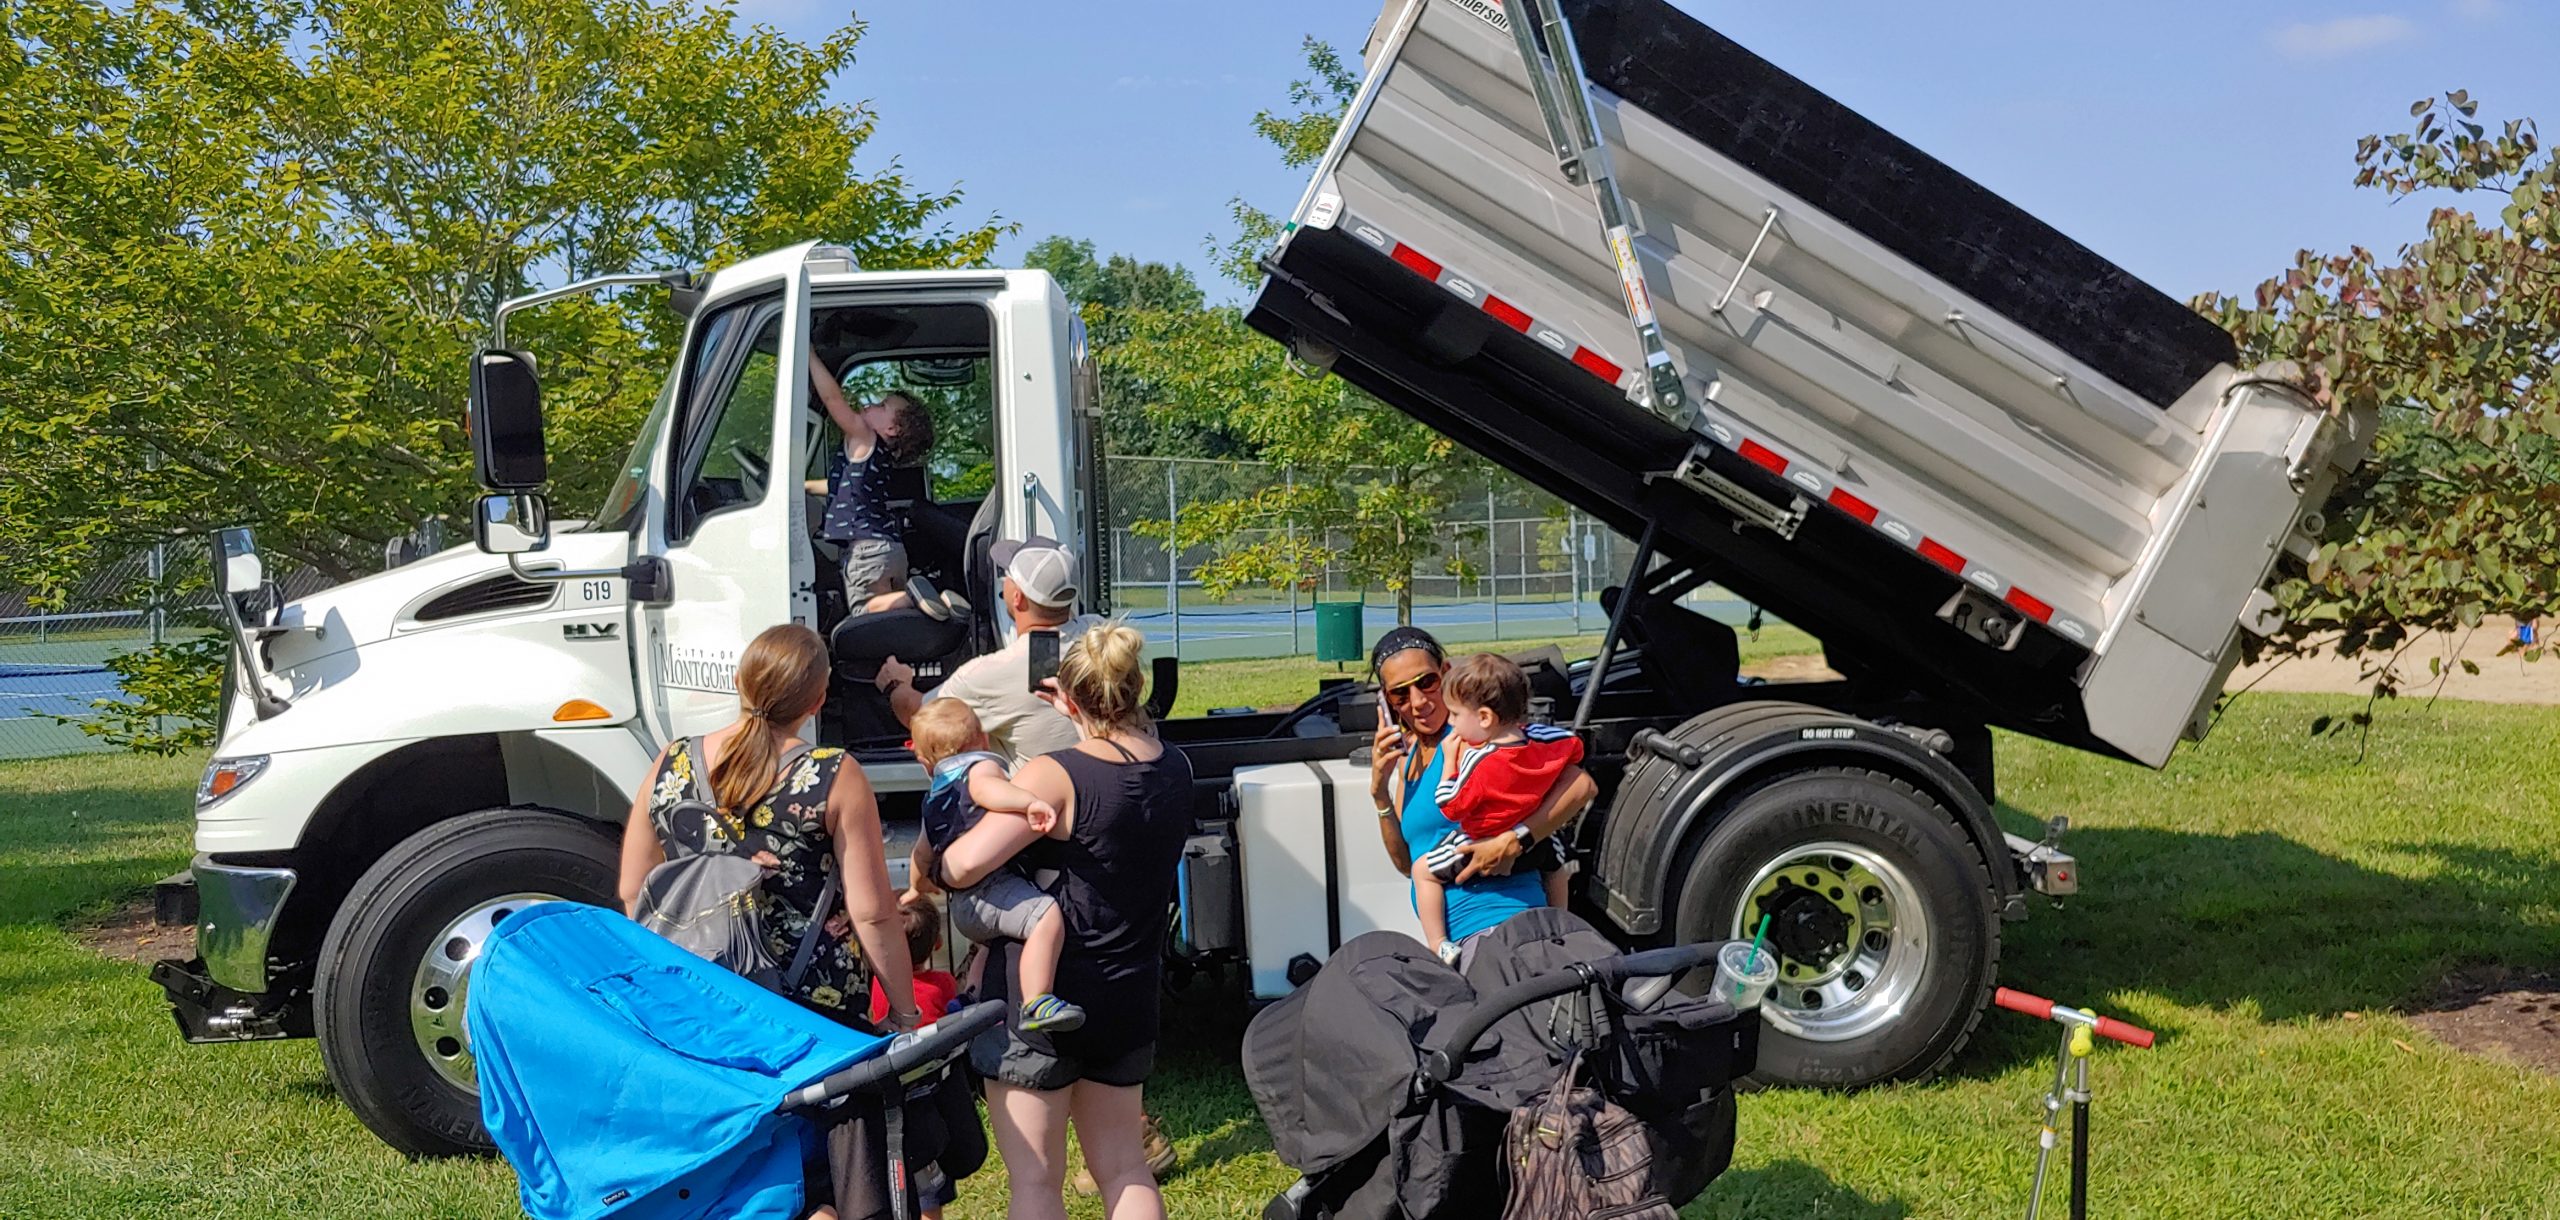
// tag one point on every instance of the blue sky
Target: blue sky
(2198, 144)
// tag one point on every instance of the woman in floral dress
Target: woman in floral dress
(790, 823)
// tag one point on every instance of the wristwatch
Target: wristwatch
(1523, 833)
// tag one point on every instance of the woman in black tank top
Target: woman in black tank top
(1125, 809)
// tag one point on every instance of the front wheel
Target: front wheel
(394, 971)
(1879, 908)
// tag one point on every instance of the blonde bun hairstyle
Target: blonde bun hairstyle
(1103, 673)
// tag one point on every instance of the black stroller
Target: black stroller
(1387, 1080)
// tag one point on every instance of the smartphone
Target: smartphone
(1044, 656)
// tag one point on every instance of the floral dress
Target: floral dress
(791, 822)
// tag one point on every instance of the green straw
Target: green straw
(1753, 962)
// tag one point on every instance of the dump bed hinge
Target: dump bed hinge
(1749, 506)
(1555, 76)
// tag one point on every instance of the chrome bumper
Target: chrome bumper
(237, 909)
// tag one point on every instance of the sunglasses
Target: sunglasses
(1396, 695)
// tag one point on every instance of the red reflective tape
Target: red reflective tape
(1503, 312)
(1597, 365)
(2030, 605)
(1764, 457)
(1941, 556)
(1417, 262)
(1853, 506)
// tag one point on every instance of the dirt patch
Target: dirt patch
(2498, 1013)
(128, 935)
(1790, 669)
(2502, 679)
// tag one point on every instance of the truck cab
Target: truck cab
(406, 758)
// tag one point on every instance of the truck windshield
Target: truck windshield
(620, 510)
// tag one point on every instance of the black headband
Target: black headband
(1405, 639)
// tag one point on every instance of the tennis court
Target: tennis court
(32, 687)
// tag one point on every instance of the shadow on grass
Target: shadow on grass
(2261, 922)
(1788, 1189)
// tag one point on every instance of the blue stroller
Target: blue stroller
(624, 1077)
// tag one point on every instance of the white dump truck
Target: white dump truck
(2004, 483)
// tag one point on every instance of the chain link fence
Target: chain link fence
(1512, 563)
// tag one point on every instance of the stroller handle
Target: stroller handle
(1439, 1065)
(926, 1049)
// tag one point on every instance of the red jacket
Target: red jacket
(1489, 789)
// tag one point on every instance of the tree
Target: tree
(1370, 488)
(2457, 514)
(1109, 293)
(251, 243)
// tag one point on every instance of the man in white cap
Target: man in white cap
(1039, 591)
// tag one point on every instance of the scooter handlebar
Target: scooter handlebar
(2042, 1009)
(2018, 1001)
(2130, 1035)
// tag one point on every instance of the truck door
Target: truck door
(736, 545)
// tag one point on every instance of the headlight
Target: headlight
(224, 776)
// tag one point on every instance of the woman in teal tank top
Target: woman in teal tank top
(1404, 777)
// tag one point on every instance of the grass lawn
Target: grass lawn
(2264, 904)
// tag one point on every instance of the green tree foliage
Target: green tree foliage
(2453, 338)
(1109, 293)
(251, 243)
(1370, 488)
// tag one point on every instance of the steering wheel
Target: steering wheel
(753, 469)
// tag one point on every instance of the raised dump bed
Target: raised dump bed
(1960, 447)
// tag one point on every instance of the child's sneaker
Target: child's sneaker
(1045, 1013)
(1448, 952)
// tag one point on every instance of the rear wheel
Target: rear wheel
(1880, 910)
(394, 973)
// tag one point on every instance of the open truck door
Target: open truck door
(734, 544)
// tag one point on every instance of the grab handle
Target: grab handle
(926, 1048)
(1441, 1064)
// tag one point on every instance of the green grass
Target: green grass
(2243, 903)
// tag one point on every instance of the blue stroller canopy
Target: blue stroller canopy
(623, 1076)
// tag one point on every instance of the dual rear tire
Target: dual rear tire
(1881, 908)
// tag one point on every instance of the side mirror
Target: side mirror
(506, 422)
(506, 524)
(236, 567)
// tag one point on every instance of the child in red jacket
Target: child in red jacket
(1498, 777)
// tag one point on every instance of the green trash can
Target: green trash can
(1338, 631)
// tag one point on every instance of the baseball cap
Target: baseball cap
(1040, 567)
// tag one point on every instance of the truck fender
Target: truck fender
(1674, 782)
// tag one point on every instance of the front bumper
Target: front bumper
(237, 910)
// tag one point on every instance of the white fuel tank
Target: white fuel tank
(1315, 872)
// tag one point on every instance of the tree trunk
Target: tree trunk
(1404, 557)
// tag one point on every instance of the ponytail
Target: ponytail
(1102, 675)
(782, 677)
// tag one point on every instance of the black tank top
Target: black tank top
(1115, 886)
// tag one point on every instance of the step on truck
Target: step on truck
(2003, 482)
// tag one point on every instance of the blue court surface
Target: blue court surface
(28, 694)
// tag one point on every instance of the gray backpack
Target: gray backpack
(713, 903)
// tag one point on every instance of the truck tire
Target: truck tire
(393, 973)
(1881, 909)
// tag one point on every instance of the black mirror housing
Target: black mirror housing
(506, 422)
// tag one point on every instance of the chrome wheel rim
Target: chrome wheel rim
(1851, 940)
(442, 986)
